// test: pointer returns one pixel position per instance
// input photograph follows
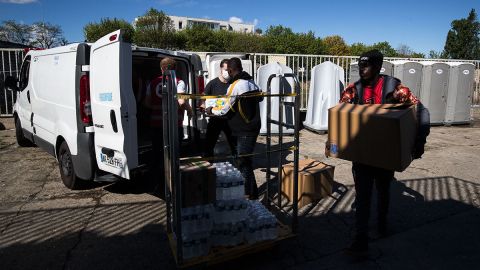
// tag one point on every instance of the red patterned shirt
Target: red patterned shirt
(401, 94)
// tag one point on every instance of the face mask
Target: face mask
(225, 75)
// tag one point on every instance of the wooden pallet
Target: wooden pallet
(223, 254)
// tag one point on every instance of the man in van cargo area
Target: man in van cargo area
(216, 125)
(242, 110)
(153, 101)
(374, 88)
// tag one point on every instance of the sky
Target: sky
(421, 24)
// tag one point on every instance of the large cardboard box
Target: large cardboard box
(198, 183)
(315, 181)
(380, 135)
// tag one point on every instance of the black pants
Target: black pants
(214, 127)
(246, 145)
(364, 177)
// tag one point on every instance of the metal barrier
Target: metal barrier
(303, 64)
(10, 63)
(11, 60)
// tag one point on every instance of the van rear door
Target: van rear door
(113, 105)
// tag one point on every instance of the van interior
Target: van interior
(145, 68)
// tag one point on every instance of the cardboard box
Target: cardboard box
(380, 135)
(198, 183)
(315, 181)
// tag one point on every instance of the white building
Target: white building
(180, 23)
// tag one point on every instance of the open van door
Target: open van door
(113, 105)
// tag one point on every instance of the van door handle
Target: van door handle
(28, 96)
(113, 120)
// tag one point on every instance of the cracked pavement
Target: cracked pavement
(434, 217)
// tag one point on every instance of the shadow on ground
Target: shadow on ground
(430, 218)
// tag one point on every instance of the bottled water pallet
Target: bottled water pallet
(222, 254)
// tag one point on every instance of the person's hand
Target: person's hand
(208, 110)
(327, 148)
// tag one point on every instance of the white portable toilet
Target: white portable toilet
(214, 68)
(326, 84)
(387, 69)
(263, 73)
(434, 90)
(354, 70)
(410, 74)
(460, 88)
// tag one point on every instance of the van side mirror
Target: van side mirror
(11, 83)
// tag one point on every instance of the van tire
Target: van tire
(21, 140)
(65, 164)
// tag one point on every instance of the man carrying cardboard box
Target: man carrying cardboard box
(374, 88)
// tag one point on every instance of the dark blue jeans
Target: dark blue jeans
(246, 145)
(364, 177)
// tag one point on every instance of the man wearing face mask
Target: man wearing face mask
(376, 88)
(242, 110)
(217, 87)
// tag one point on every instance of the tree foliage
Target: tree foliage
(47, 35)
(335, 45)
(93, 31)
(15, 32)
(155, 29)
(463, 40)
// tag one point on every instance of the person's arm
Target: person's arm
(207, 92)
(403, 94)
(348, 95)
(232, 92)
(183, 103)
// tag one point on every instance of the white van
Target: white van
(77, 102)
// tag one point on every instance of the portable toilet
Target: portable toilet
(387, 69)
(409, 73)
(460, 88)
(434, 90)
(214, 68)
(326, 84)
(263, 73)
(354, 73)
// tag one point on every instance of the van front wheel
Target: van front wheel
(65, 164)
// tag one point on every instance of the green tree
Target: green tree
(280, 39)
(16, 32)
(47, 35)
(239, 42)
(309, 44)
(155, 29)
(434, 54)
(359, 48)
(385, 48)
(463, 40)
(202, 39)
(93, 31)
(335, 45)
